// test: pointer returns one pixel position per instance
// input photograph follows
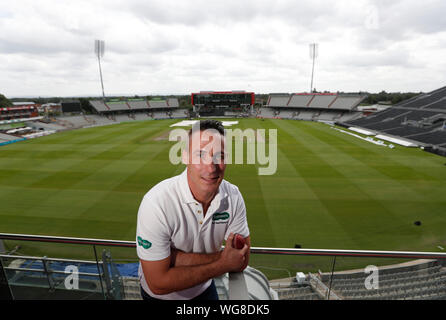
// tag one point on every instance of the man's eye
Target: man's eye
(200, 154)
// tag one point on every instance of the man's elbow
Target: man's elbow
(157, 290)
(157, 287)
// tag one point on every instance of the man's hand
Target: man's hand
(233, 260)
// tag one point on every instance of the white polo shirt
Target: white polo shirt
(169, 216)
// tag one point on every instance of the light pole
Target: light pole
(313, 55)
(99, 49)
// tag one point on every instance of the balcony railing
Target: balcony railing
(107, 280)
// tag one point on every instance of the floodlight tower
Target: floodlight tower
(99, 49)
(313, 54)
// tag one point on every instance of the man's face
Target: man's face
(205, 163)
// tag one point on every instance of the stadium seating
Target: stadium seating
(267, 113)
(99, 105)
(343, 101)
(179, 113)
(53, 126)
(426, 101)
(141, 116)
(299, 293)
(278, 100)
(321, 101)
(300, 101)
(306, 115)
(426, 280)
(133, 104)
(76, 121)
(100, 120)
(316, 101)
(117, 106)
(437, 137)
(419, 119)
(7, 137)
(138, 105)
(173, 103)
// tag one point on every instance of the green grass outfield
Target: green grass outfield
(330, 191)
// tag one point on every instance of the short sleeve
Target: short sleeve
(152, 231)
(238, 223)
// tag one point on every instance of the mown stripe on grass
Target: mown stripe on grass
(291, 202)
(385, 190)
(348, 211)
(260, 222)
(63, 226)
(407, 160)
(414, 181)
(329, 186)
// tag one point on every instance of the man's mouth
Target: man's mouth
(210, 179)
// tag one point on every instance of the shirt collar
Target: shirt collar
(187, 194)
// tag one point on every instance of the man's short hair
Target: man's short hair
(208, 124)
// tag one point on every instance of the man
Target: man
(182, 222)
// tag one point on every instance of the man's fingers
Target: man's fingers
(245, 249)
(230, 239)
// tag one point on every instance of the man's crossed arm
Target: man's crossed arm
(183, 270)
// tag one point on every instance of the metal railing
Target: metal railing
(254, 250)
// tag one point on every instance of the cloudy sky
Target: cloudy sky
(183, 46)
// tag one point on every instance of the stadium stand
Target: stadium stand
(138, 105)
(157, 104)
(437, 137)
(117, 106)
(76, 121)
(141, 116)
(173, 103)
(267, 113)
(312, 106)
(342, 101)
(315, 100)
(424, 279)
(427, 100)
(99, 120)
(99, 105)
(300, 101)
(133, 104)
(298, 293)
(306, 115)
(321, 101)
(421, 118)
(180, 113)
(7, 137)
(278, 101)
(161, 115)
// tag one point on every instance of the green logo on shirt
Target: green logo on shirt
(144, 243)
(220, 216)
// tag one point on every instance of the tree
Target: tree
(86, 106)
(5, 102)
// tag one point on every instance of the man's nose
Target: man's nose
(210, 164)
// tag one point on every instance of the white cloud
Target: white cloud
(173, 46)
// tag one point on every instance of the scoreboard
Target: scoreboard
(223, 99)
